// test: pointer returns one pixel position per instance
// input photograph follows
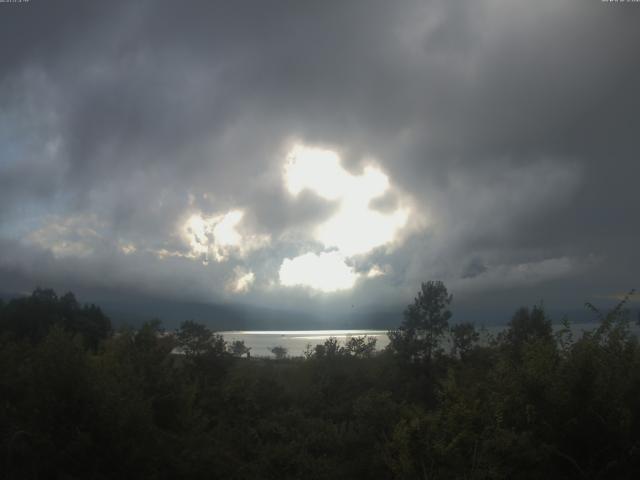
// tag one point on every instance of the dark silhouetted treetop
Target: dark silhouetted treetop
(32, 317)
(361, 346)
(425, 322)
(279, 352)
(464, 337)
(196, 340)
(238, 349)
(329, 349)
(528, 325)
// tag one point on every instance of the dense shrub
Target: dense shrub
(80, 402)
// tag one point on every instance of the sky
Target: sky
(321, 156)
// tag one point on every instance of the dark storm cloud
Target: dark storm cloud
(511, 125)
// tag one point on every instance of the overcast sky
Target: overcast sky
(324, 154)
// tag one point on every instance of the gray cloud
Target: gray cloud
(509, 125)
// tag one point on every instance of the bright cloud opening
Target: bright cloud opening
(327, 272)
(316, 170)
(72, 236)
(354, 229)
(244, 280)
(375, 271)
(218, 237)
(225, 233)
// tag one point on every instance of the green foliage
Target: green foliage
(150, 404)
(329, 349)
(526, 326)
(31, 318)
(197, 341)
(354, 347)
(463, 338)
(361, 347)
(239, 349)
(279, 352)
(425, 322)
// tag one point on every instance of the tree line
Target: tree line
(78, 400)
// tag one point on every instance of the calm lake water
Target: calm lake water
(296, 341)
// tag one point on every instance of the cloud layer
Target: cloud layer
(143, 147)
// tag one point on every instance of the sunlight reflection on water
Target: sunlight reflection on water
(295, 341)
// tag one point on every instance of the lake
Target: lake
(295, 341)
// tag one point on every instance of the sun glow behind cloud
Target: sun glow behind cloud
(244, 280)
(354, 229)
(326, 271)
(218, 237)
(316, 170)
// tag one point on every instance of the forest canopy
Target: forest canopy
(80, 400)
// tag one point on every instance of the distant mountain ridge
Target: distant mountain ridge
(133, 311)
(241, 317)
(123, 310)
